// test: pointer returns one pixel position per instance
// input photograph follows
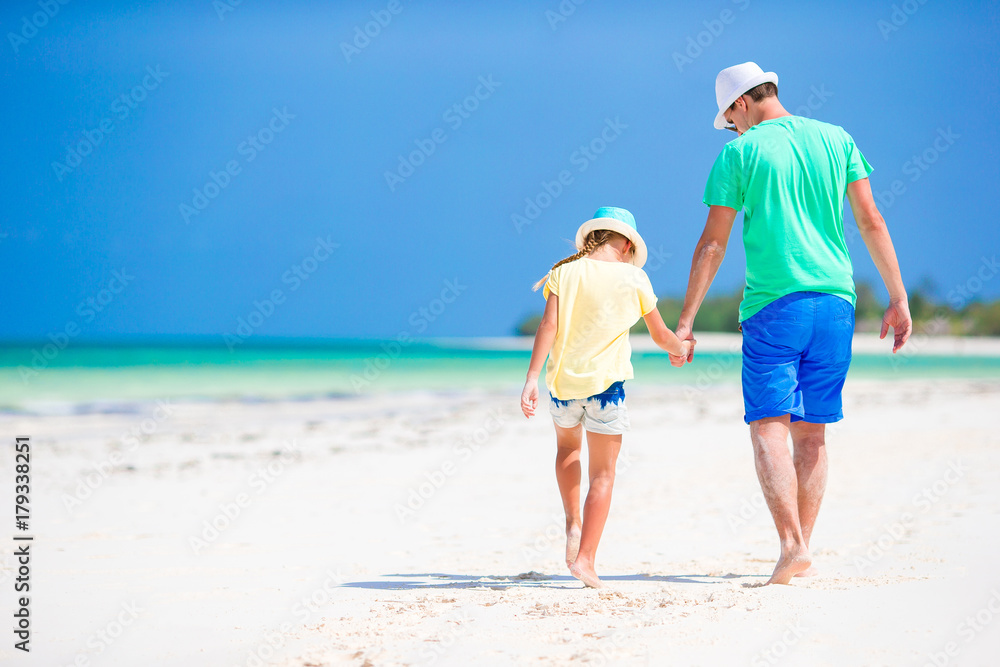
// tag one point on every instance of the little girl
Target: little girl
(592, 300)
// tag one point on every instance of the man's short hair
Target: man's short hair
(757, 93)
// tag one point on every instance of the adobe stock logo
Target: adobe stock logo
(295, 276)
(455, 115)
(917, 166)
(898, 18)
(121, 108)
(87, 310)
(581, 158)
(704, 39)
(565, 9)
(221, 7)
(249, 149)
(372, 29)
(31, 25)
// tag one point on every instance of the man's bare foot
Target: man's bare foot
(808, 572)
(792, 562)
(585, 572)
(572, 543)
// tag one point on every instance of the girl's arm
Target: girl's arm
(664, 337)
(544, 337)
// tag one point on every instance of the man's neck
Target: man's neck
(768, 109)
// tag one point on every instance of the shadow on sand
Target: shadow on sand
(525, 579)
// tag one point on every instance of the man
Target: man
(790, 175)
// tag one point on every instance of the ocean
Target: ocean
(92, 375)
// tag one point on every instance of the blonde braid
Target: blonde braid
(595, 240)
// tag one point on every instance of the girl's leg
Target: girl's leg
(603, 451)
(569, 444)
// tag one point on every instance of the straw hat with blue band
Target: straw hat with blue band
(617, 220)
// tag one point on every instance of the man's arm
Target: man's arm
(875, 234)
(705, 264)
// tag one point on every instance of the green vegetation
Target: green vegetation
(721, 313)
(528, 326)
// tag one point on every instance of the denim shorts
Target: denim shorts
(796, 352)
(601, 413)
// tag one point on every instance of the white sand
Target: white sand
(475, 576)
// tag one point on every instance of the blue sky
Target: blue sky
(236, 161)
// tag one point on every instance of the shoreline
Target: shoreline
(82, 380)
(864, 343)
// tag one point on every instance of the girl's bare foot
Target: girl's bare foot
(584, 571)
(572, 543)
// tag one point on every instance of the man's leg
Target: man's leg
(778, 480)
(809, 446)
(822, 372)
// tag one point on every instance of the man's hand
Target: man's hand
(678, 360)
(897, 316)
(529, 398)
(683, 332)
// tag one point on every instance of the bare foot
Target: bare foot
(585, 572)
(790, 564)
(572, 543)
(808, 572)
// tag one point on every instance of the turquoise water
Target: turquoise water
(92, 373)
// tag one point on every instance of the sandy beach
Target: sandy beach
(425, 528)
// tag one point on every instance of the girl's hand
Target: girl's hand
(529, 398)
(684, 333)
(687, 347)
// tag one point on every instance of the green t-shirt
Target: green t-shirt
(790, 176)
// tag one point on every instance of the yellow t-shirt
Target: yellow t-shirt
(598, 303)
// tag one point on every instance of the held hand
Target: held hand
(684, 333)
(529, 398)
(897, 316)
(687, 352)
(678, 360)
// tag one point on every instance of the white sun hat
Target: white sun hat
(733, 82)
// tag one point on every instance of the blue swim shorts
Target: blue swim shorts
(796, 352)
(601, 413)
